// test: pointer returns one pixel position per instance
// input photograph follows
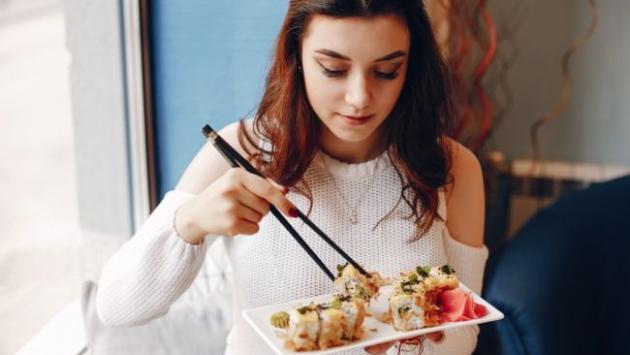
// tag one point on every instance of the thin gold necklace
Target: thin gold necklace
(351, 210)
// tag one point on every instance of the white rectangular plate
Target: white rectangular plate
(375, 331)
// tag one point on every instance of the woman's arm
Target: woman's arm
(151, 270)
(229, 201)
(463, 240)
(465, 213)
(465, 200)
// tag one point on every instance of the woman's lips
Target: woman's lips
(356, 120)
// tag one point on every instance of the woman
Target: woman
(351, 127)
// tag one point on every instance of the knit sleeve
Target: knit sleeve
(151, 270)
(469, 263)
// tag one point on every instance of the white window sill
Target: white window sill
(64, 334)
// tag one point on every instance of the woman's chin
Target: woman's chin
(351, 138)
(351, 134)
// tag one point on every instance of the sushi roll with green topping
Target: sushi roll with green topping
(414, 303)
(406, 313)
(350, 282)
(303, 329)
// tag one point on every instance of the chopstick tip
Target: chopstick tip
(209, 132)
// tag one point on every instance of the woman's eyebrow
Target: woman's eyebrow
(333, 54)
(391, 56)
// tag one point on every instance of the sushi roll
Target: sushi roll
(438, 278)
(354, 309)
(406, 313)
(435, 280)
(322, 326)
(350, 282)
(333, 325)
(303, 329)
(414, 303)
(354, 312)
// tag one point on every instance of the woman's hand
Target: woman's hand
(234, 204)
(436, 337)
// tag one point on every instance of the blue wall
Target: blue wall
(209, 64)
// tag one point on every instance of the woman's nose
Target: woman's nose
(358, 93)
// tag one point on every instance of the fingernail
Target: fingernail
(438, 338)
(293, 212)
(286, 189)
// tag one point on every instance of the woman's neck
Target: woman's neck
(352, 152)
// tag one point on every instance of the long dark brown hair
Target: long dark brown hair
(415, 130)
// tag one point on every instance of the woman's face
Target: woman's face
(354, 69)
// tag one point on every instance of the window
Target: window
(39, 233)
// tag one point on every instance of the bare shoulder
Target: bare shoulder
(208, 165)
(465, 198)
(463, 161)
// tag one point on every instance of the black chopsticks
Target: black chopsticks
(235, 160)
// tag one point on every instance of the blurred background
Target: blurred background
(101, 104)
(39, 227)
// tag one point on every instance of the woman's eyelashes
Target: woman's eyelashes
(336, 73)
(384, 75)
(332, 73)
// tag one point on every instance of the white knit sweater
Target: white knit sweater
(156, 266)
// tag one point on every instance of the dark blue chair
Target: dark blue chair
(563, 282)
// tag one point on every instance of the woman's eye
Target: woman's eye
(383, 75)
(332, 73)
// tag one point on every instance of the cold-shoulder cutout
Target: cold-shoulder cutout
(465, 199)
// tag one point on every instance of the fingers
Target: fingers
(271, 192)
(249, 214)
(436, 337)
(247, 227)
(258, 204)
(284, 189)
(379, 348)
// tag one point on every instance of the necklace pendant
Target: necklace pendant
(353, 217)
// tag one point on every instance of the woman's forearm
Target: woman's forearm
(150, 271)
